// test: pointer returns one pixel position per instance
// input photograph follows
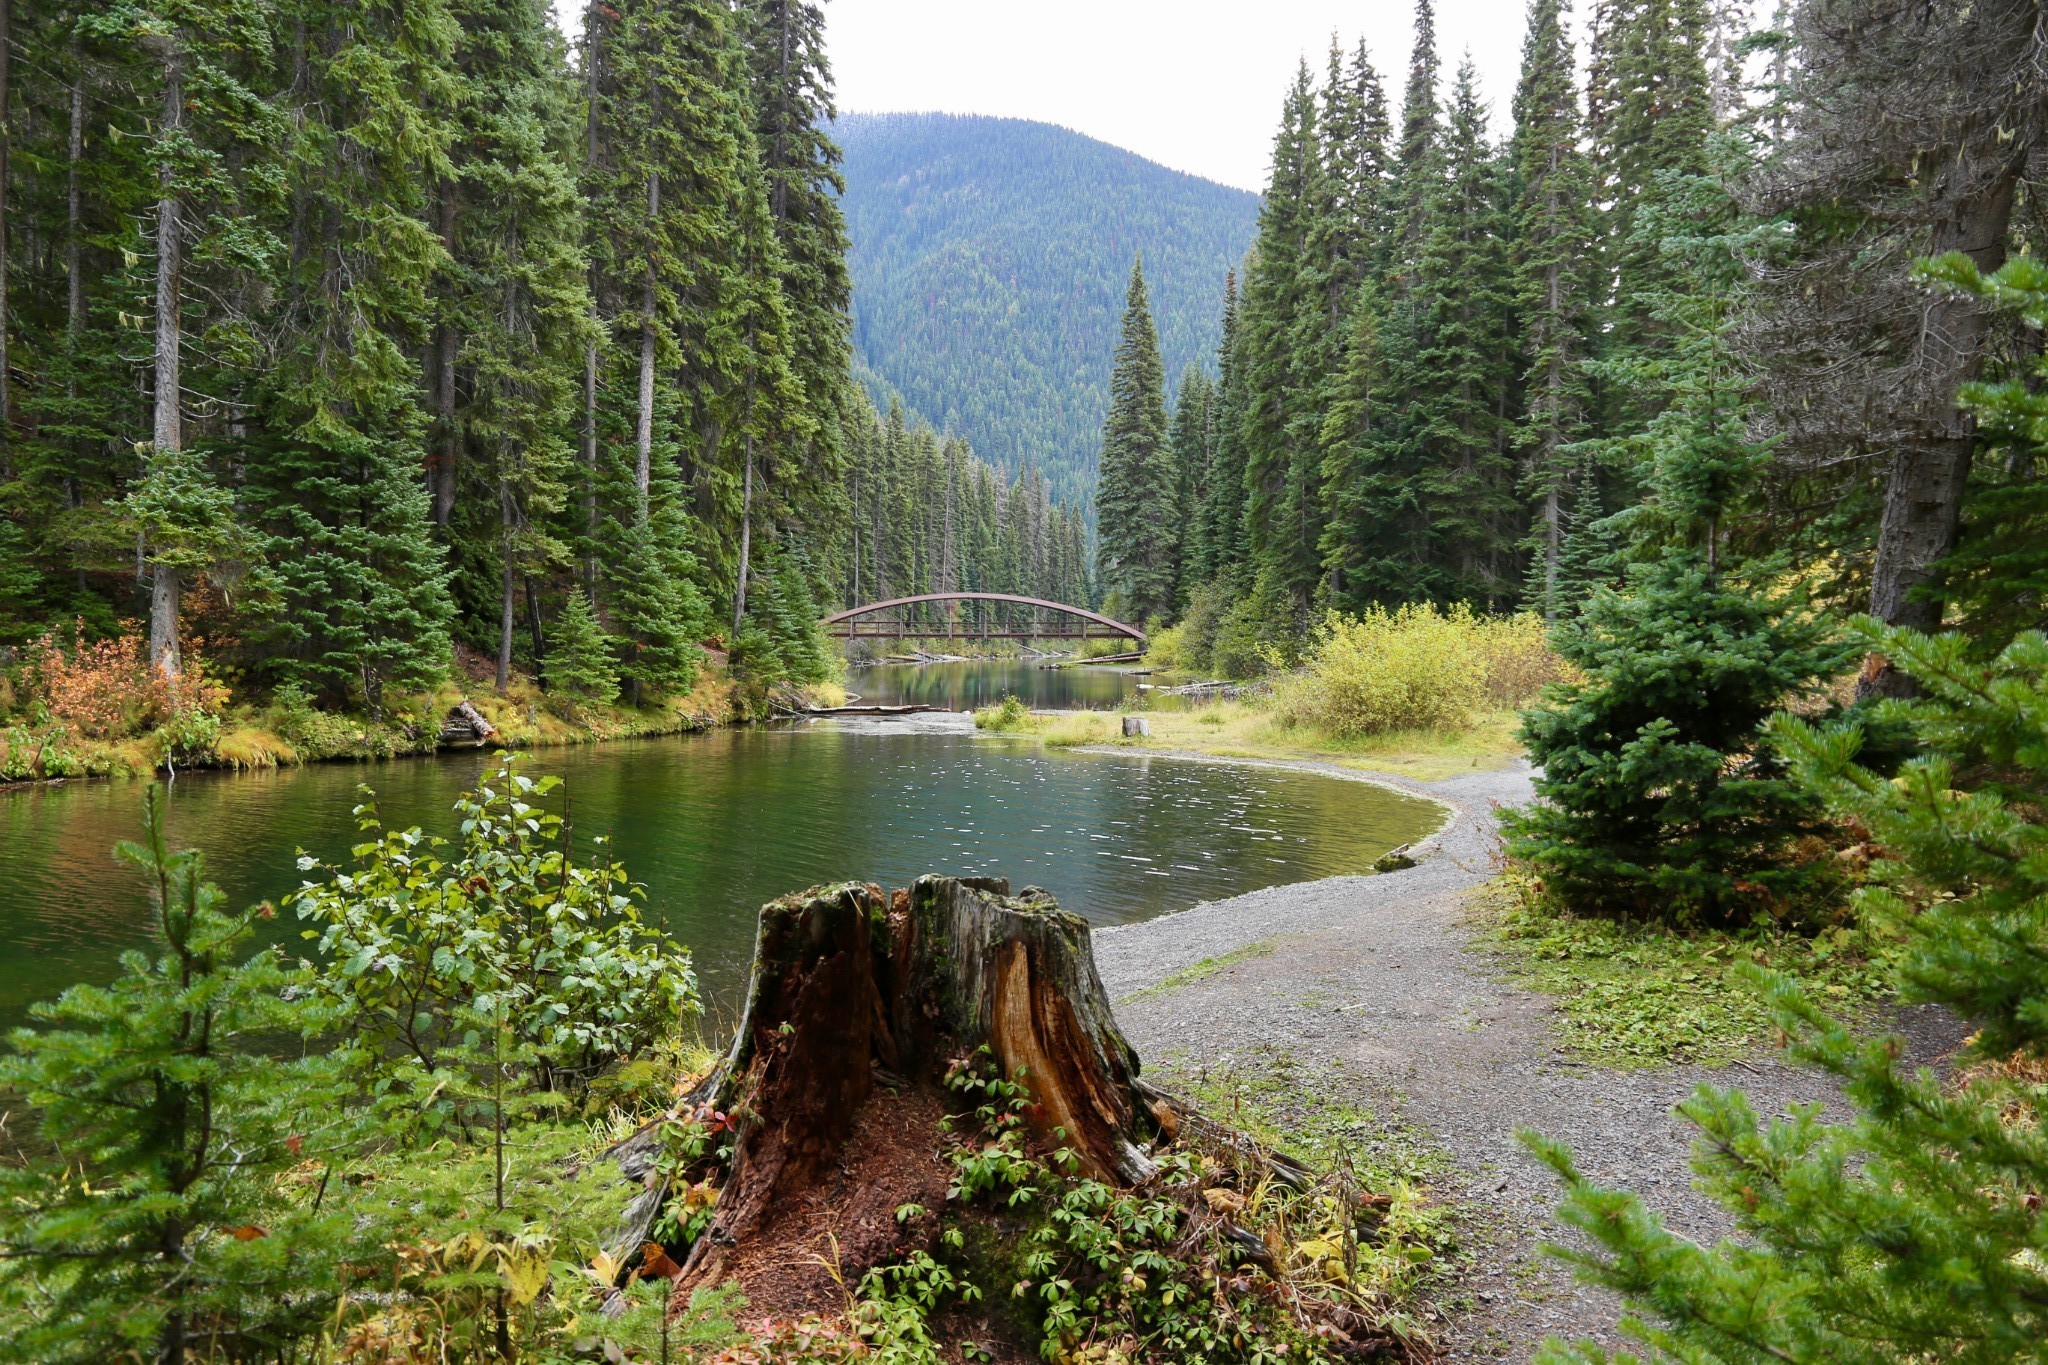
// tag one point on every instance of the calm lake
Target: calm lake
(715, 824)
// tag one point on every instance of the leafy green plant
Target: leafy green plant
(1006, 716)
(424, 945)
(1414, 668)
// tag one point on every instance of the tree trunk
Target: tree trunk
(739, 596)
(1928, 477)
(508, 578)
(643, 436)
(74, 279)
(833, 1084)
(6, 128)
(643, 431)
(167, 432)
(446, 344)
(590, 467)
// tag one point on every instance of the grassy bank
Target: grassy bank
(1239, 729)
(1649, 995)
(288, 731)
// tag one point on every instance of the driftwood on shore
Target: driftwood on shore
(465, 726)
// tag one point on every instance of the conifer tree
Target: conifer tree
(1662, 799)
(1375, 540)
(1193, 440)
(580, 662)
(1415, 152)
(1284, 333)
(1553, 281)
(791, 80)
(1464, 376)
(657, 613)
(1649, 113)
(1220, 545)
(1135, 498)
(149, 1219)
(362, 587)
(210, 148)
(517, 300)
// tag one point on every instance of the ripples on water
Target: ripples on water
(716, 824)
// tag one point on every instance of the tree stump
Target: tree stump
(832, 1089)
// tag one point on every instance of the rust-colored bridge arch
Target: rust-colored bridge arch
(846, 624)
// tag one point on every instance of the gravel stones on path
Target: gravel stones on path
(1375, 980)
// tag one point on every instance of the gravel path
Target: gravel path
(1376, 977)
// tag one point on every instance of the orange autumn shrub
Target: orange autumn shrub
(105, 689)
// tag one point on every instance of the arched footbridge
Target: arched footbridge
(1018, 618)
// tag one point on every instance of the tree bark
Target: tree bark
(74, 278)
(739, 596)
(643, 435)
(6, 322)
(1923, 494)
(507, 580)
(167, 434)
(849, 988)
(446, 345)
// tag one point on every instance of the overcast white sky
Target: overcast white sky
(1194, 84)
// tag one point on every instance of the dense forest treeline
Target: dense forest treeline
(988, 259)
(930, 516)
(337, 335)
(1448, 357)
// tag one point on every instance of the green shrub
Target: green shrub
(1414, 668)
(1519, 661)
(1005, 716)
(424, 947)
(1166, 648)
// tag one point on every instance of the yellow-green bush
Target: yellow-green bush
(1519, 659)
(1414, 668)
(1165, 648)
(1008, 715)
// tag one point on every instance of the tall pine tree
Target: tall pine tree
(1138, 483)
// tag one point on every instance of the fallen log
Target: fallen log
(466, 726)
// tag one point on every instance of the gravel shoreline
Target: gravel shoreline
(1375, 981)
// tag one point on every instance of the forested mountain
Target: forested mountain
(989, 258)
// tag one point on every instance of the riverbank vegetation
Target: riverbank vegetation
(1683, 367)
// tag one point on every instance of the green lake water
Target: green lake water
(715, 824)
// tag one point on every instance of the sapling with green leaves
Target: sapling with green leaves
(436, 955)
(1914, 1231)
(151, 1215)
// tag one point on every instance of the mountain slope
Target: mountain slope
(989, 263)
